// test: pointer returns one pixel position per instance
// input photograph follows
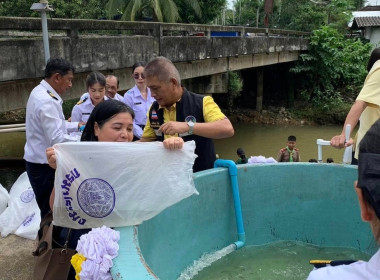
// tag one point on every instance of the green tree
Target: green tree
(246, 12)
(95, 9)
(158, 10)
(334, 65)
(210, 10)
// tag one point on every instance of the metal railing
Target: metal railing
(12, 128)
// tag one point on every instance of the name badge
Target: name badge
(155, 124)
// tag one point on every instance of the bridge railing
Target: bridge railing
(75, 27)
(114, 46)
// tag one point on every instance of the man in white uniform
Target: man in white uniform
(46, 126)
(112, 87)
(368, 191)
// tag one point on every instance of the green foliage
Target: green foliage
(333, 69)
(210, 10)
(157, 10)
(67, 107)
(246, 12)
(62, 9)
(336, 115)
(235, 86)
(303, 15)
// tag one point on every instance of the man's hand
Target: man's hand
(171, 128)
(173, 143)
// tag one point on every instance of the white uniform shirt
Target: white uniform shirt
(356, 271)
(82, 110)
(45, 123)
(140, 106)
(117, 97)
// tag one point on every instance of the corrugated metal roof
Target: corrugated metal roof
(366, 21)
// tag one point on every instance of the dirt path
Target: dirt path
(16, 260)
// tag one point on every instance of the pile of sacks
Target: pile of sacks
(19, 212)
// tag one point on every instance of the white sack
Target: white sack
(22, 205)
(30, 226)
(119, 184)
(4, 197)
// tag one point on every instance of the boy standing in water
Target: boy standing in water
(242, 158)
(290, 153)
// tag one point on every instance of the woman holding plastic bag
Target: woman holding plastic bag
(110, 121)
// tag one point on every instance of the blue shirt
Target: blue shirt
(140, 106)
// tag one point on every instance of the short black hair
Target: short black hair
(292, 138)
(58, 65)
(329, 160)
(95, 77)
(375, 56)
(240, 151)
(369, 167)
(137, 64)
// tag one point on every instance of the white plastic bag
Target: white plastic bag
(119, 184)
(22, 214)
(30, 226)
(4, 197)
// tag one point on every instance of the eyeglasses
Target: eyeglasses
(137, 75)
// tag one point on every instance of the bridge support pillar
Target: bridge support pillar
(290, 84)
(217, 83)
(260, 89)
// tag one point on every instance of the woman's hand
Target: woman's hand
(173, 143)
(50, 154)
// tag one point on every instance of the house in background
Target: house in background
(367, 20)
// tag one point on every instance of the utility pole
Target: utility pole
(44, 7)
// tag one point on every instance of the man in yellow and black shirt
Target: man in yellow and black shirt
(179, 112)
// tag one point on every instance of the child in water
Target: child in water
(290, 153)
(242, 158)
(368, 191)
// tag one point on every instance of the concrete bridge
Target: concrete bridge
(203, 54)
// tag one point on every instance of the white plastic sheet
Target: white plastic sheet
(119, 184)
(22, 216)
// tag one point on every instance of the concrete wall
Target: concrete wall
(114, 46)
(372, 33)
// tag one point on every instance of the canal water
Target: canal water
(265, 140)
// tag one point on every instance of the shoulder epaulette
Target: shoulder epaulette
(130, 91)
(296, 149)
(81, 101)
(52, 95)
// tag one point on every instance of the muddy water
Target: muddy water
(255, 139)
(267, 140)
